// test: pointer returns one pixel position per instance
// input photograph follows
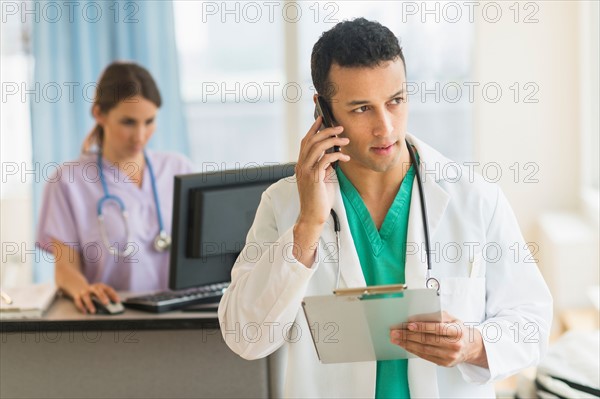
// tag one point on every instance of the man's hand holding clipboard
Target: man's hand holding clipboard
(446, 344)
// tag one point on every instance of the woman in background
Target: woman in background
(106, 217)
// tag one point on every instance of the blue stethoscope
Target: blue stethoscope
(162, 242)
(430, 282)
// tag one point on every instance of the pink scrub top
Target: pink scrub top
(69, 214)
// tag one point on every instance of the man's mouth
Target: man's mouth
(383, 148)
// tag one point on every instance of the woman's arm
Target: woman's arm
(70, 279)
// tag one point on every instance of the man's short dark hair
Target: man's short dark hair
(355, 43)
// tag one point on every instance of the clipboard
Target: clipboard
(353, 325)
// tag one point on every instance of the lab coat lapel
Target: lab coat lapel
(436, 201)
(351, 271)
(422, 374)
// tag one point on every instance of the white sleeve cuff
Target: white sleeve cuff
(291, 259)
(475, 374)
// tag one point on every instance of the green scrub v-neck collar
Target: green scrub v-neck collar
(382, 257)
(377, 238)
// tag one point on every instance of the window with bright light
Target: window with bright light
(16, 210)
(231, 73)
(245, 73)
(438, 58)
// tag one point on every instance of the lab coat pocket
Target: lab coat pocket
(464, 298)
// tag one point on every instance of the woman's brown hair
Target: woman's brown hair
(118, 82)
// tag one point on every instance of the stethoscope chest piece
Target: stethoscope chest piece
(162, 242)
(433, 284)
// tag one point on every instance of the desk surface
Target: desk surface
(62, 315)
(67, 354)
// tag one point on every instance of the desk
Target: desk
(136, 355)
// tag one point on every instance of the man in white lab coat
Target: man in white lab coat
(492, 293)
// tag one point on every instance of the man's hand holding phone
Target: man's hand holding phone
(322, 109)
(315, 186)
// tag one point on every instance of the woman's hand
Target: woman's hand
(104, 293)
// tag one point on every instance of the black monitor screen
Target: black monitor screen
(212, 213)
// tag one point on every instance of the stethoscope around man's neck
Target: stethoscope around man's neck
(162, 241)
(430, 282)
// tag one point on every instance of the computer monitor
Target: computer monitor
(212, 213)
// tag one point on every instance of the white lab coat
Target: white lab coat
(506, 295)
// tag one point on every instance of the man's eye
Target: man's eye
(398, 100)
(128, 122)
(361, 109)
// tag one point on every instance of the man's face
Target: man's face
(370, 103)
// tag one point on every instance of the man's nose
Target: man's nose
(383, 123)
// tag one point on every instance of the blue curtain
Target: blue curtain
(70, 51)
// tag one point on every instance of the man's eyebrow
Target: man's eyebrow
(398, 93)
(363, 102)
(356, 102)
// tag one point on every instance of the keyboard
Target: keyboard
(170, 300)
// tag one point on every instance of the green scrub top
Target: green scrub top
(382, 256)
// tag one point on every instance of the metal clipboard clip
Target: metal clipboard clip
(362, 292)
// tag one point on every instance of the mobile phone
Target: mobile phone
(322, 109)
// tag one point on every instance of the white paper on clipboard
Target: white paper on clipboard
(361, 324)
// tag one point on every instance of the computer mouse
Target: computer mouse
(112, 308)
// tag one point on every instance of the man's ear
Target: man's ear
(315, 96)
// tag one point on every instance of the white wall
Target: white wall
(551, 133)
(547, 54)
